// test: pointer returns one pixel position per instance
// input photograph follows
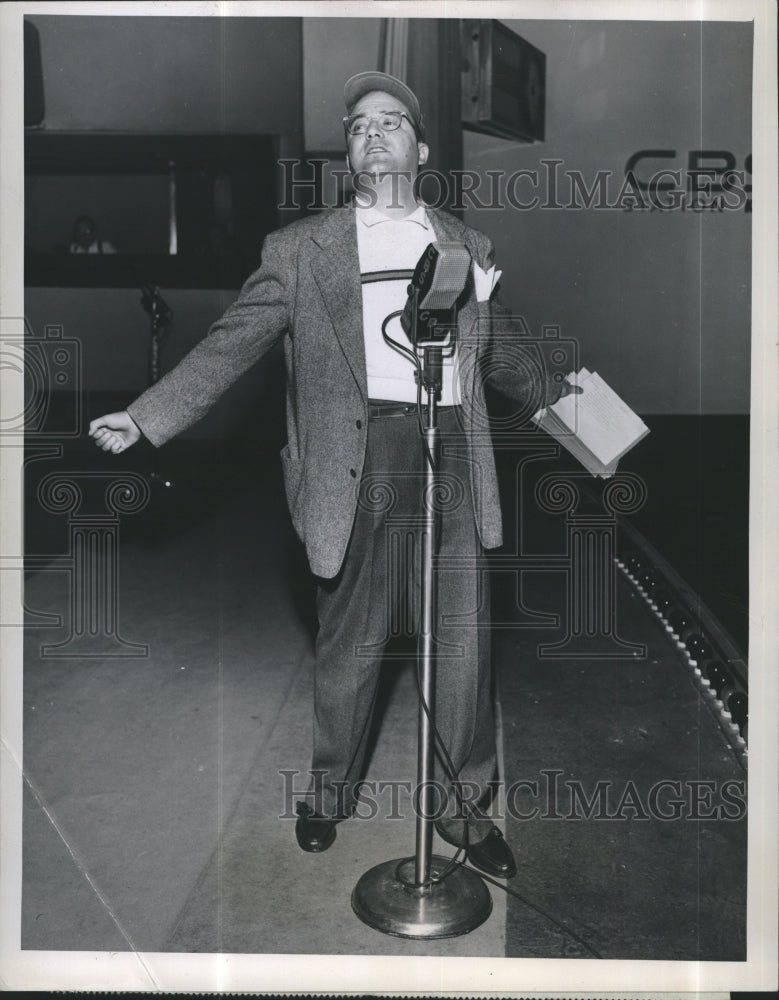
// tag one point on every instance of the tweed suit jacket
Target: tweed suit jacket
(307, 291)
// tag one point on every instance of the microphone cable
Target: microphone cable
(414, 359)
(442, 751)
(533, 906)
(455, 862)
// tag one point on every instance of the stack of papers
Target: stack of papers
(596, 426)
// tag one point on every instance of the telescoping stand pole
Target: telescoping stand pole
(424, 896)
(160, 318)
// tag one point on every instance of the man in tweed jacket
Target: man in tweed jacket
(342, 443)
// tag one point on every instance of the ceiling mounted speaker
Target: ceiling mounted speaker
(503, 82)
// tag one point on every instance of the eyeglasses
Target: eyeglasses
(388, 121)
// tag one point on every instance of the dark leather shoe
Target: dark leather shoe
(314, 833)
(493, 856)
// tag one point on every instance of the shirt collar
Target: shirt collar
(369, 215)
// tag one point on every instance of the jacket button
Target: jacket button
(359, 424)
(352, 473)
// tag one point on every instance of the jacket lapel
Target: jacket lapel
(336, 268)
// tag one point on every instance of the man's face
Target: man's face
(378, 151)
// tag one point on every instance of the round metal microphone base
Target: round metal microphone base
(383, 900)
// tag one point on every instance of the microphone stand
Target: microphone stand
(424, 896)
(160, 318)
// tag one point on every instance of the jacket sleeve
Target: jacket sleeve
(257, 319)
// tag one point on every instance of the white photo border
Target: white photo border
(37, 970)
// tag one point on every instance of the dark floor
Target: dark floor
(632, 881)
(153, 781)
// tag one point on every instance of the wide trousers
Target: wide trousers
(376, 597)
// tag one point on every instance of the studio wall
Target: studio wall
(658, 300)
(113, 332)
(161, 75)
(171, 74)
(334, 48)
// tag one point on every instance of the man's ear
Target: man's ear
(348, 164)
(423, 151)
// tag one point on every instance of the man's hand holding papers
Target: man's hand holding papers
(595, 425)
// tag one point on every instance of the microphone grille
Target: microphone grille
(452, 267)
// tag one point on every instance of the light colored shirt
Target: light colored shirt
(389, 250)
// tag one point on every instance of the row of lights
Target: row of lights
(712, 674)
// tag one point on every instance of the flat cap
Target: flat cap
(361, 84)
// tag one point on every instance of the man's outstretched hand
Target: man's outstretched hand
(115, 432)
